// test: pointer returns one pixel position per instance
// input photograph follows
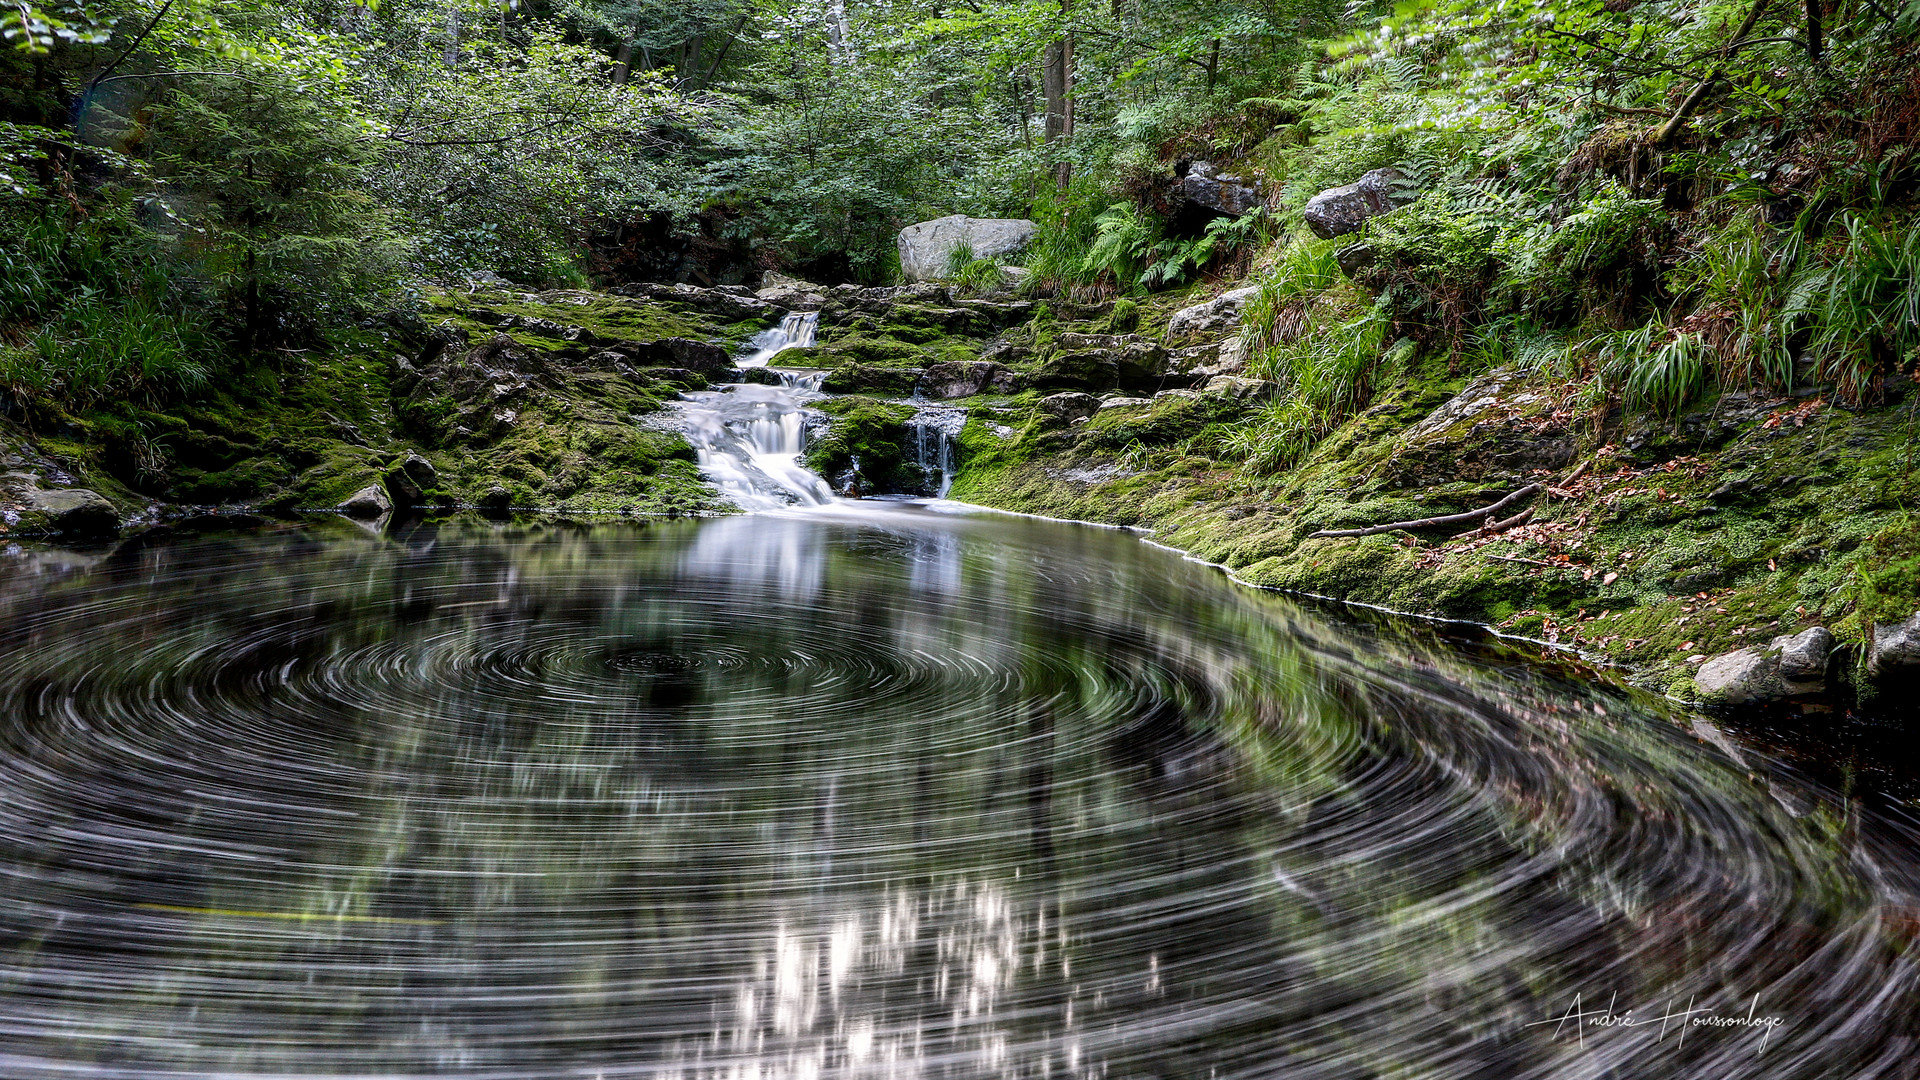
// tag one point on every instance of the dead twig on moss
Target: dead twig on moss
(1484, 515)
(1494, 528)
(1529, 562)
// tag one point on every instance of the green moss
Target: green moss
(875, 351)
(865, 447)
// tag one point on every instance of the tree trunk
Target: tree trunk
(1815, 46)
(1672, 127)
(623, 62)
(739, 25)
(1213, 62)
(837, 31)
(1057, 83)
(690, 66)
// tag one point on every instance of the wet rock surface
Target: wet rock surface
(1069, 406)
(1217, 314)
(1227, 193)
(1787, 666)
(1342, 210)
(965, 378)
(369, 502)
(72, 512)
(1895, 651)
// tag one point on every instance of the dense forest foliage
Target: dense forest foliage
(1659, 194)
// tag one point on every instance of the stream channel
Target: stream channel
(877, 789)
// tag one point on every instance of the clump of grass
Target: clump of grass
(1278, 312)
(959, 257)
(1861, 305)
(88, 312)
(1326, 377)
(980, 276)
(1279, 434)
(1655, 367)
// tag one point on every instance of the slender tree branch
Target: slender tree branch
(479, 142)
(95, 82)
(169, 75)
(1672, 126)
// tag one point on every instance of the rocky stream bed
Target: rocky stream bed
(1701, 552)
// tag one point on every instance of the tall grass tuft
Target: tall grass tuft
(87, 312)
(1277, 313)
(1861, 305)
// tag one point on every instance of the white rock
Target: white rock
(1216, 314)
(925, 247)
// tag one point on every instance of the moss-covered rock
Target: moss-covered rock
(871, 379)
(865, 448)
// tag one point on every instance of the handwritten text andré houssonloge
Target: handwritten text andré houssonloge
(1579, 1019)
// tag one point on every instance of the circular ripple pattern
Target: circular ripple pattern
(895, 794)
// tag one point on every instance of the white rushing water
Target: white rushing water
(750, 436)
(796, 331)
(936, 434)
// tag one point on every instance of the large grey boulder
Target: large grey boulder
(1339, 211)
(1070, 406)
(69, 511)
(965, 378)
(1896, 649)
(1216, 314)
(1207, 185)
(925, 247)
(1787, 666)
(367, 503)
(1241, 389)
(792, 293)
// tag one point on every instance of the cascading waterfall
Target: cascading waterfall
(795, 331)
(749, 436)
(936, 443)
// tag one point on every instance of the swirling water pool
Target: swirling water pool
(888, 793)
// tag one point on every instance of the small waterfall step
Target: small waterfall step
(796, 331)
(936, 444)
(750, 435)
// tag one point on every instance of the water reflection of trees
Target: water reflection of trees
(785, 798)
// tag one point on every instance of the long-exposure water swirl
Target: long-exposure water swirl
(895, 793)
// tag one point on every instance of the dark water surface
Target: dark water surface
(892, 793)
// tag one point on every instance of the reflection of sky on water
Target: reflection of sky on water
(902, 987)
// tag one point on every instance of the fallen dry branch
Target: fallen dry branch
(1529, 562)
(1482, 515)
(1494, 528)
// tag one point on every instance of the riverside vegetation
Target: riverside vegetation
(1653, 265)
